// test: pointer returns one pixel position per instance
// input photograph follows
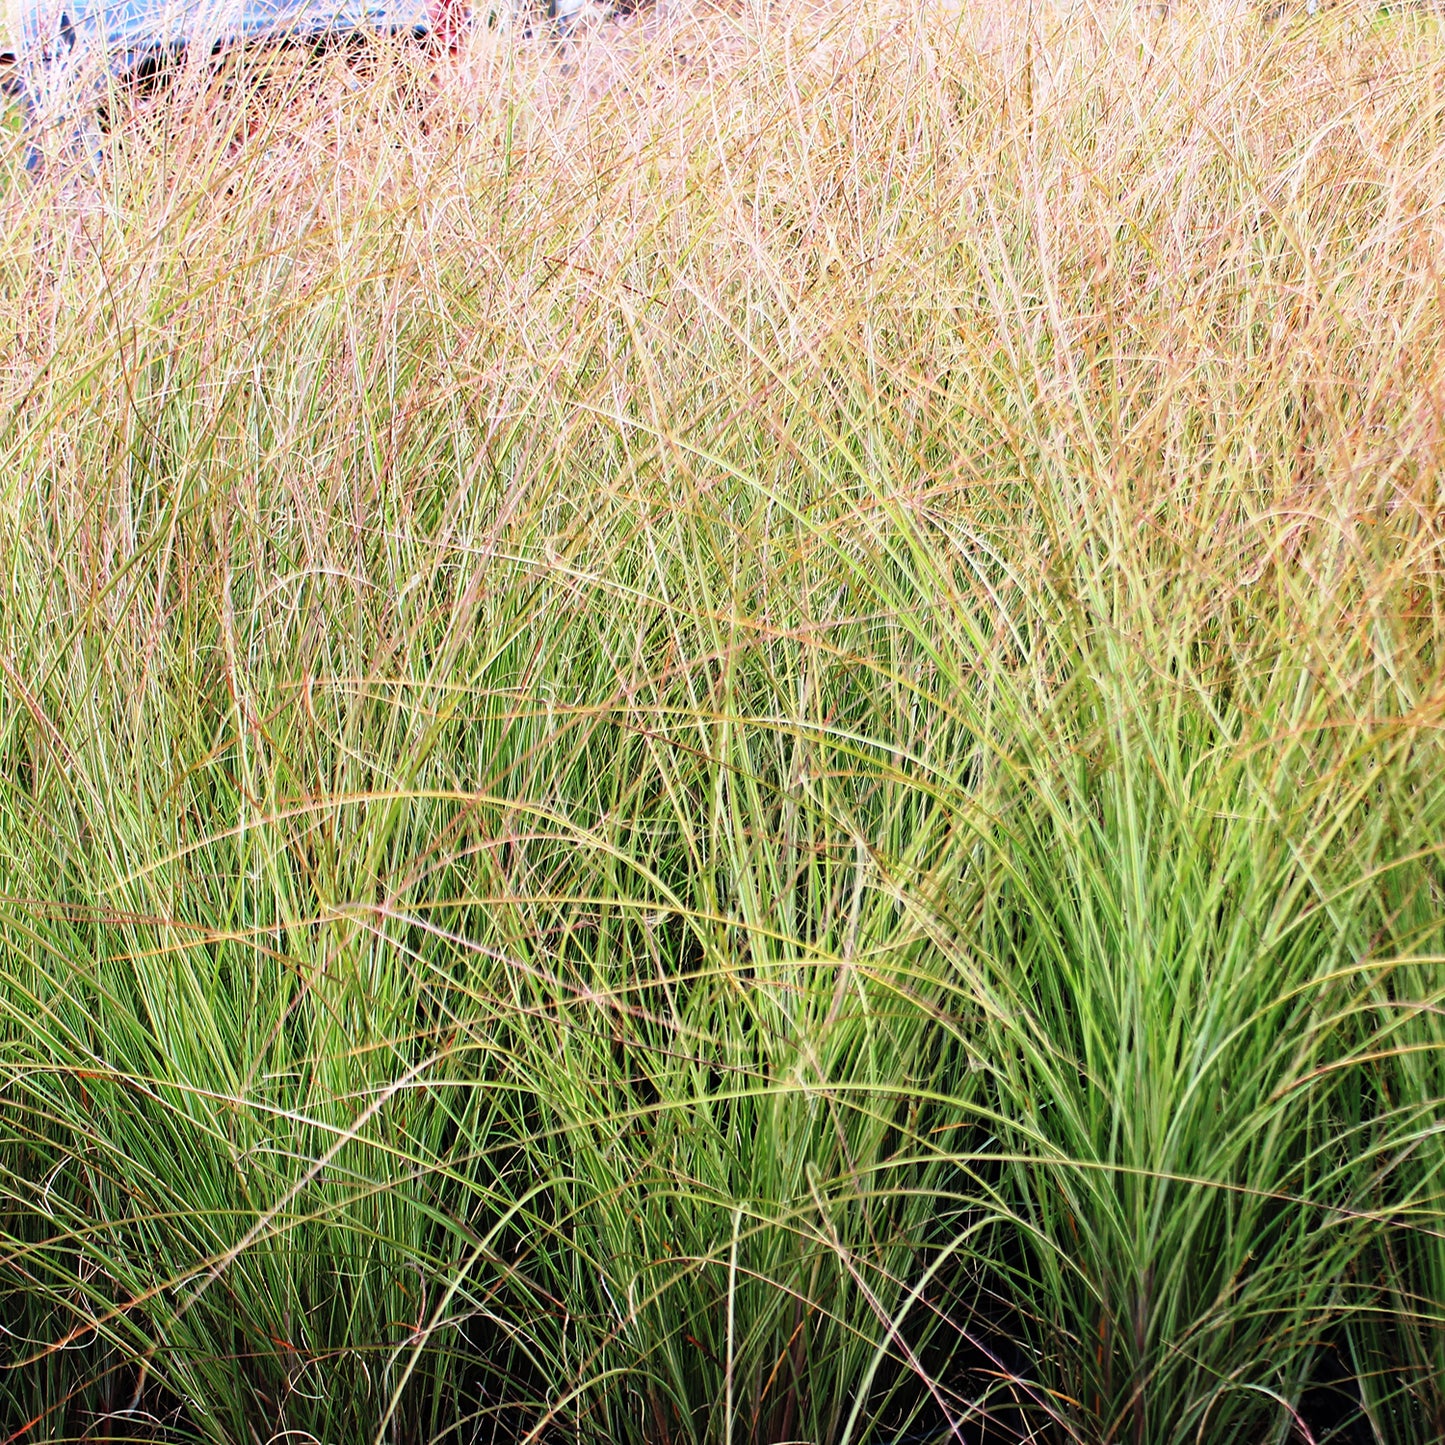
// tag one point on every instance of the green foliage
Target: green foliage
(756, 766)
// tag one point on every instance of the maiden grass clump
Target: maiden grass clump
(732, 736)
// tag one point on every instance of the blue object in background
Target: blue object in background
(68, 51)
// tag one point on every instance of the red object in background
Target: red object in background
(448, 19)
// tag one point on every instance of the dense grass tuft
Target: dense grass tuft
(733, 735)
